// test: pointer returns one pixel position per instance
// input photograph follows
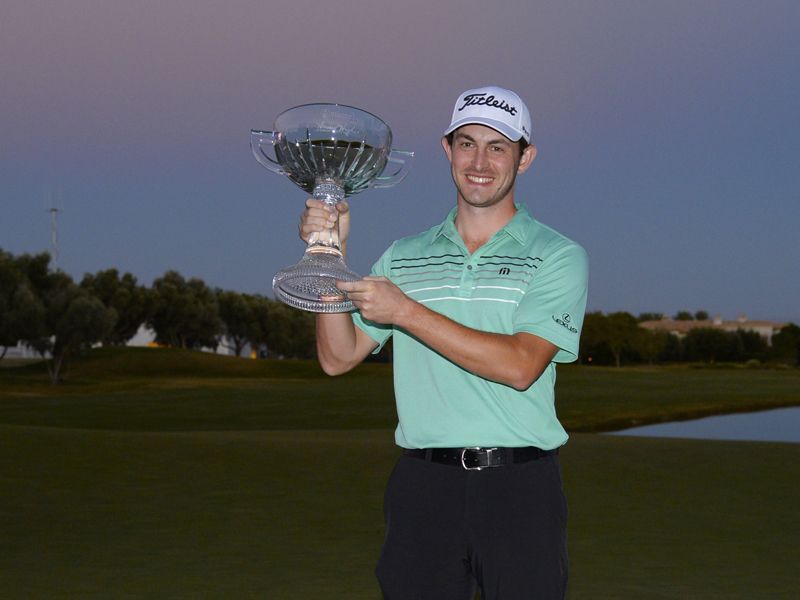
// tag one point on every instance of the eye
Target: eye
(498, 149)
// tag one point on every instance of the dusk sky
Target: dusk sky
(668, 134)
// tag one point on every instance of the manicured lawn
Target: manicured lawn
(142, 389)
(607, 399)
(174, 475)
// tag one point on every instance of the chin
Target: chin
(481, 202)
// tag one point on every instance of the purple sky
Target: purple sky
(668, 134)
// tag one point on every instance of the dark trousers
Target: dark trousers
(449, 531)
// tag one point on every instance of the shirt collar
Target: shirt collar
(518, 227)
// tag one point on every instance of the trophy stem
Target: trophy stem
(311, 284)
(331, 192)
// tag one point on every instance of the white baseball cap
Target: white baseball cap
(495, 107)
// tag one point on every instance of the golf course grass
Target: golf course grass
(170, 474)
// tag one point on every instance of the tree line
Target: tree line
(616, 338)
(58, 317)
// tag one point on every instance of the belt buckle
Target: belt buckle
(476, 448)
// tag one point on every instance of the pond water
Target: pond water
(778, 425)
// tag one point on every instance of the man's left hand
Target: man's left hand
(378, 299)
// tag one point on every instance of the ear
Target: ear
(447, 149)
(526, 160)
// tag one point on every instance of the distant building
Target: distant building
(21, 350)
(766, 329)
(146, 337)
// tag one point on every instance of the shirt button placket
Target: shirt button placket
(467, 277)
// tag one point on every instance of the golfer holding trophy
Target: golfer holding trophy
(481, 307)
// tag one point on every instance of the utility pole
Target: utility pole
(54, 207)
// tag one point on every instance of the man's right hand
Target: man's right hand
(319, 216)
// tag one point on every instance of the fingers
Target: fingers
(343, 209)
(360, 285)
(316, 210)
(358, 292)
(350, 286)
(317, 217)
(377, 298)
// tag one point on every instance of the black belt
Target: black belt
(479, 458)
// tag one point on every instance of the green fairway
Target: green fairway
(142, 389)
(163, 474)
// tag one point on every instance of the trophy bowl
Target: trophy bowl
(331, 151)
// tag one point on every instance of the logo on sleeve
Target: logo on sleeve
(565, 321)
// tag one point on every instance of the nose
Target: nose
(480, 160)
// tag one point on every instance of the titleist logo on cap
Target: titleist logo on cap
(487, 100)
(495, 107)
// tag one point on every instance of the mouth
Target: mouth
(479, 179)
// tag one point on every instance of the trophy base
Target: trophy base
(310, 284)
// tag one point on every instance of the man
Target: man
(481, 308)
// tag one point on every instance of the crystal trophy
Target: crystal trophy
(331, 151)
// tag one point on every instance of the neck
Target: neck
(477, 225)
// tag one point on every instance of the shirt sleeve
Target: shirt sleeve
(555, 302)
(379, 333)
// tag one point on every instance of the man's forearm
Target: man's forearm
(339, 345)
(515, 360)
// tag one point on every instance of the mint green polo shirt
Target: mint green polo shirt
(526, 278)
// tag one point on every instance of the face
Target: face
(484, 164)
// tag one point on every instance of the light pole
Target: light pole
(54, 209)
